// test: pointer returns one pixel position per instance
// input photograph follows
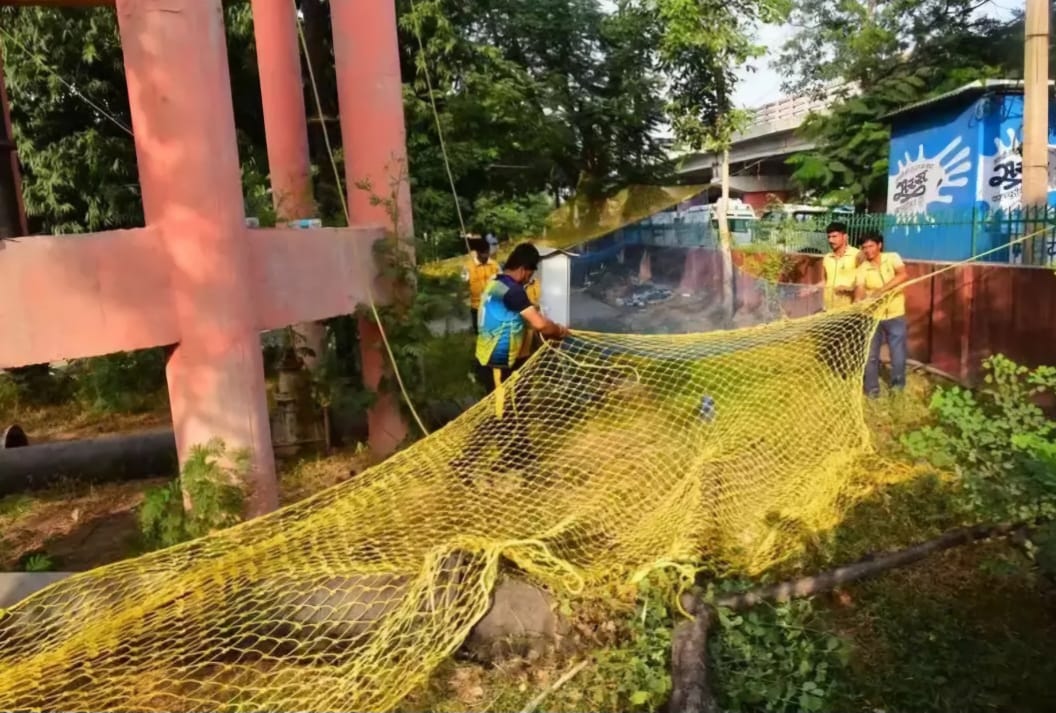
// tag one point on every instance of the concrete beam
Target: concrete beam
(83, 295)
(59, 3)
(16, 586)
(307, 275)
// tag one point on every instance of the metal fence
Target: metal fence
(946, 236)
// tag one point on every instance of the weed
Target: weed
(776, 658)
(999, 440)
(126, 382)
(38, 562)
(214, 488)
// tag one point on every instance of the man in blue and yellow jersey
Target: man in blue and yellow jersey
(881, 275)
(506, 315)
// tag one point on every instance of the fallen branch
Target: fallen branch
(691, 685)
(816, 584)
(569, 675)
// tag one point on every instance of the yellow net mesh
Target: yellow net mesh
(582, 219)
(612, 453)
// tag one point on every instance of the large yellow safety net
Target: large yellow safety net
(584, 218)
(603, 457)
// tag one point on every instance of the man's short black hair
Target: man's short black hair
(873, 237)
(836, 227)
(478, 245)
(524, 255)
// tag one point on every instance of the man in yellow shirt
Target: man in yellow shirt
(838, 341)
(840, 266)
(480, 271)
(880, 276)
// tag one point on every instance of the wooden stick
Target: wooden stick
(690, 684)
(569, 675)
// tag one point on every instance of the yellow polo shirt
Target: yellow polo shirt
(534, 291)
(873, 277)
(840, 272)
(479, 275)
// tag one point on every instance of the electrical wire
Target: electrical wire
(348, 220)
(44, 65)
(436, 118)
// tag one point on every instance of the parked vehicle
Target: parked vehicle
(799, 228)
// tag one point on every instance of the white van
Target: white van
(739, 216)
(798, 227)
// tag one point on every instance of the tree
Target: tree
(702, 43)
(877, 57)
(78, 160)
(526, 110)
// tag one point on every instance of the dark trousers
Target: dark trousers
(486, 374)
(894, 332)
(507, 435)
(473, 314)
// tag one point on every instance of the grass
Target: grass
(80, 526)
(72, 420)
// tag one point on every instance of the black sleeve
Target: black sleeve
(516, 299)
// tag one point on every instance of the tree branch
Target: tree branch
(870, 567)
(691, 686)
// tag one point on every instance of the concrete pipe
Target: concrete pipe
(149, 454)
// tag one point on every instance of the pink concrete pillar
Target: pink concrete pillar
(370, 93)
(286, 127)
(182, 116)
(285, 121)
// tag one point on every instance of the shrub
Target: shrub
(999, 440)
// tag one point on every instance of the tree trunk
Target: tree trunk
(725, 242)
(690, 685)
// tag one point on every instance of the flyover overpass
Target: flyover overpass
(757, 156)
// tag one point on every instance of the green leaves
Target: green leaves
(1000, 441)
(776, 659)
(896, 56)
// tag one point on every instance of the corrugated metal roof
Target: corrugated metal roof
(980, 87)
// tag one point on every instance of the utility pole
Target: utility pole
(726, 244)
(1035, 117)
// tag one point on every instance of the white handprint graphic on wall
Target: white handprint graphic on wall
(921, 181)
(1001, 175)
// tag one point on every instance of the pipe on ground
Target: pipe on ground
(150, 454)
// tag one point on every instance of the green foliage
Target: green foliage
(35, 385)
(900, 52)
(432, 368)
(79, 166)
(639, 671)
(701, 47)
(776, 659)
(213, 481)
(38, 562)
(527, 111)
(125, 382)
(999, 440)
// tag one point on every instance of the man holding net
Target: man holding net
(506, 314)
(881, 274)
(840, 340)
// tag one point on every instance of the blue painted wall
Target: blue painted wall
(955, 172)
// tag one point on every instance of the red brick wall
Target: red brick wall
(957, 318)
